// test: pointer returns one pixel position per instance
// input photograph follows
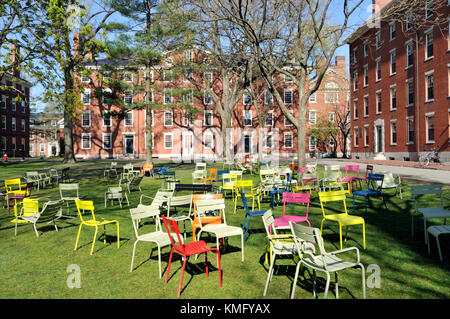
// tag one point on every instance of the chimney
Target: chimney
(15, 50)
(377, 5)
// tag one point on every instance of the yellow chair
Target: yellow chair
(87, 205)
(246, 186)
(229, 179)
(343, 219)
(15, 187)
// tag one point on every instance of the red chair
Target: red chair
(369, 170)
(186, 250)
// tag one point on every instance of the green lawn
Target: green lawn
(37, 267)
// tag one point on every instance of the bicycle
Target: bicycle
(433, 155)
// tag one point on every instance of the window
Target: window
(393, 133)
(366, 136)
(312, 117)
(409, 55)
(366, 48)
(167, 96)
(269, 119)
(85, 141)
(268, 139)
(428, 8)
(247, 98)
(208, 141)
(168, 118)
(288, 98)
(356, 136)
(168, 141)
(331, 117)
(430, 127)
(106, 119)
(410, 130)
(378, 96)
(129, 118)
(86, 118)
(42, 148)
(355, 55)
(378, 69)
(86, 96)
(188, 97)
(268, 97)
(392, 31)
(410, 92)
(207, 98)
(22, 125)
(313, 98)
(208, 77)
(188, 56)
(355, 109)
(208, 118)
(429, 44)
(331, 93)
(393, 62)
(13, 105)
(288, 140)
(366, 106)
(286, 120)
(3, 122)
(128, 77)
(312, 143)
(85, 78)
(3, 102)
(247, 118)
(287, 78)
(23, 106)
(378, 40)
(355, 81)
(107, 141)
(188, 76)
(31, 148)
(409, 20)
(128, 97)
(366, 75)
(429, 86)
(13, 123)
(393, 97)
(188, 118)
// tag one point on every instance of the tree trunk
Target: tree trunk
(226, 142)
(69, 156)
(301, 135)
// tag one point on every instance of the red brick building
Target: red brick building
(176, 135)
(400, 89)
(15, 115)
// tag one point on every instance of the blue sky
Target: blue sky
(357, 19)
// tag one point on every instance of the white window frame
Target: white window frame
(269, 115)
(427, 117)
(207, 98)
(409, 44)
(313, 98)
(171, 141)
(211, 136)
(427, 75)
(408, 93)
(426, 34)
(83, 135)
(378, 101)
(128, 97)
(392, 29)
(127, 118)
(245, 98)
(286, 120)
(86, 97)
(284, 140)
(110, 141)
(409, 123)
(166, 92)
(104, 117)
(366, 105)
(355, 109)
(247, 116)
(268, 136)
(312, 119)
(13, 123)
(378, 75)
(170, 122)
(393, 89)
(204, 118)
(366, 135)
(88, 114)
(292, 96)
(312, 146)
(393, 62)
(393, 124)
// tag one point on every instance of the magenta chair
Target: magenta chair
(299, 198)
(352, 180)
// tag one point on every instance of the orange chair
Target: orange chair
(147, 167)
(212, 176)
(205, 220)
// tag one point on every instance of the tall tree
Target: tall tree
(69, 34)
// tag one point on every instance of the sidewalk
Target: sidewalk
(435, 173)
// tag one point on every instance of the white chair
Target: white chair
(219, 230)
(51, 211)
(160, 199)
(306, 240)
(180, 201)
(389, 182)
(160, 238)
(69, 192)
(116, 193)
(436, 231)
(200, 166)
(428, 212)
(279, 245)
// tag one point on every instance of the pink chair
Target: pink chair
(303, 198)
(353, 180)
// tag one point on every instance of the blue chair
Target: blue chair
(374, 188)
(248, 215)
(280, 188)
(161, 171)
(219, 178)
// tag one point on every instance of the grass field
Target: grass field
(36, 268)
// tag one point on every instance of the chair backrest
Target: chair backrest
(33, 175)
(305, 169)
(85, 205)
(199, 197)
(434, 189)
(332, 172)
(244, 201)
(221, 172)
(53, 172)
(229, 178)
(246, 185)
(182, 200)
(200, 166)
(68, 188)
(306, 238)
(300, 198)
(375, 181)
(128, 167)
(172, 227)
(147, 166)
(50, 210)
(12, 184)
(141, 212)
(237, 173)
(115, 190)
(369, 170)
(268, 221)
(351, 168)
(332, 196)
(213, 173)
(113, 165)
(388, 180)
(210, 205)
(136, 180)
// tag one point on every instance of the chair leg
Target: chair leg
(336, 284)
(269, 274)
(118, 236)
(364, 235)
(294, 284)
(159, 261)
(132, 255)
(327, 286)
(93, 242)
(78, 237)
(340, 235)
(182, 275)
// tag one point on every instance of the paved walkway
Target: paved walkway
(435, 173)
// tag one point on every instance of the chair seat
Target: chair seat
(158, 237)
(439, 230)
(434, 212)
(222, 230)
(366, 192)
(284, 221)
(284, 247)
(179, 217)
(332, 262)
(194, 248)
(257, 212)
(207, 221)
(98, 223)
(345, 219)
